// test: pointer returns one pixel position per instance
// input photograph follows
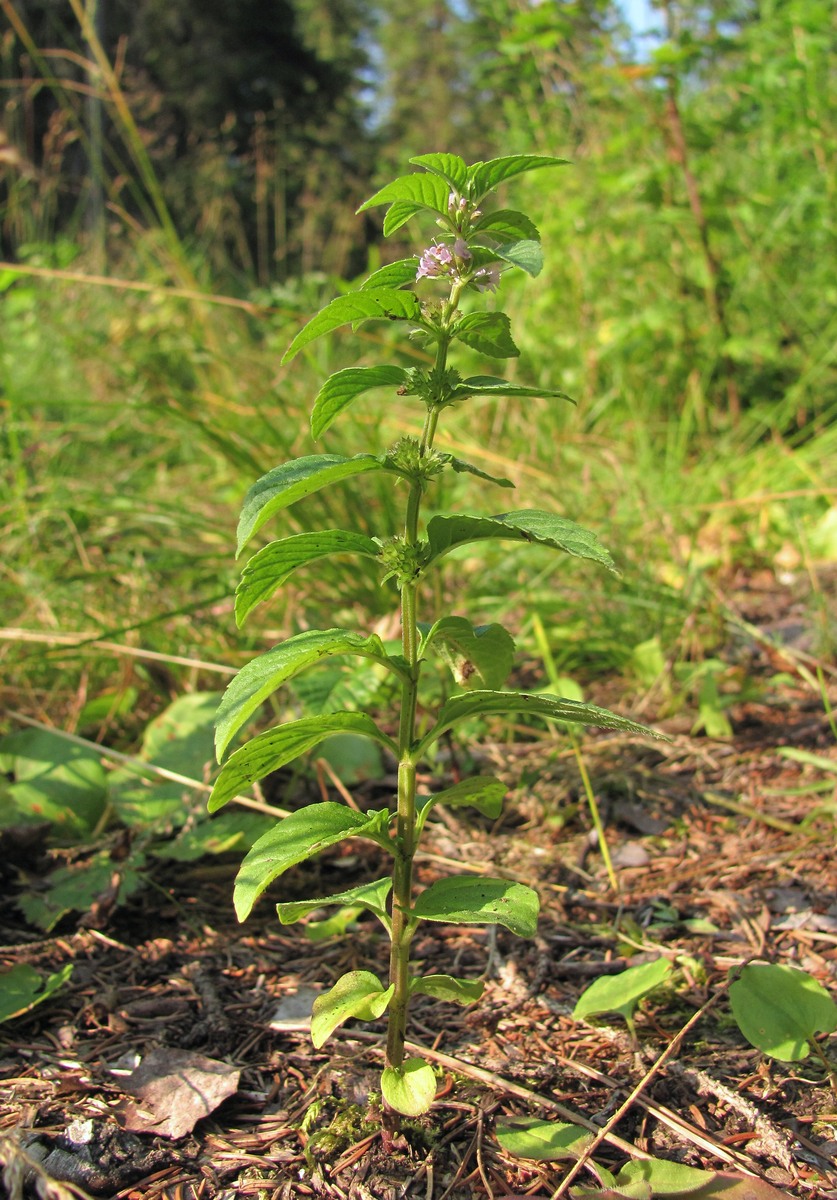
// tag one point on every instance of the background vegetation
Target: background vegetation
(177, 193)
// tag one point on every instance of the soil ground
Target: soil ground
(724, 852)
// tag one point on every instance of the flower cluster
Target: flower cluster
(440, 259)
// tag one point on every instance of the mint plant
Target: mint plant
(466, 261)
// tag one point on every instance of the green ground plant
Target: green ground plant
(467, 259)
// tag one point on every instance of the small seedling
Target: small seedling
(622, 993)
(473, 247)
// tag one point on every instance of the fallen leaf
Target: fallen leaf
(173, 1089)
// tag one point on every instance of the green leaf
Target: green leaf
(487, 176)
(546, 1141)
(369, 304)
(780, 1009)
(529, 525)
(399, 214)
(554, 708)
(276, 747)
(356, 994)
(421, 189)
(338, 392)
(268, 569)
(462, 467)
(507, 225)
(475, 900)
(449, 988)
(489, 385)
(622, 993)
(482, 792)
(666, 1178)
(21, 988)
(450, 166)
(487, 332)
(55, 780)
(297, 837)
(294, 480)
(371, 896)
(526, 254)
(409, 1089)
(262, 675)
(394, 275)
(484, 653)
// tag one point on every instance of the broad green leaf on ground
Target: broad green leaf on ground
(409, 1089)
(462, 467)
(622, 993)
(526, 254)
(298, 837)
(507, 225)
(546, 1141)
(450, 166)
(780, 1009)
(483, 654)
(294, 480)
(482, 792)
(449, 988)
(268, 569)
(554, 708)
(675, 1179)
(369, 304)
(490, 385)
(371, 896)
(529, 525)
(487, 332)
(426, 190)
(52, 780)
(393, 275)
(666, 1178)
(276, 747)
(340, 389)
(264, 674)
(357, 994)
(228, 832)
(22, 987)
(476, 900)
(486, 176)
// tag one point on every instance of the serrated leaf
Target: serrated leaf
(554, 708)
(489, 175)
(484, 653)
(369, 304)
(448, 988)
(22, 987)
(338, 392)
(409, 1089)
(526, 254)
(487, 332)
(482, 792)
(779, 1009)
(476, 900)
(545, 1141)
(450, 166)
(507, 225)
(425, 190)
(462, 467)
(622, 993)
(268, 569)
(394, 275)
(489, 385)
(399, 214)
(529, 525)
(357, 994)
(276, 747)
(296, 838)
(264, 674)
(294, 480)
(371, 896)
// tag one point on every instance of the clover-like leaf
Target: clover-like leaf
(340, 389)
(476, 900)
(357, 994)
(529, 525)
(264, 674)
(278, 746)
(368, 304)
(487, 332)
(484, 177)
(780, 1009)
(297, 479)
(371, 896)
(297, 837)
(409, 1089)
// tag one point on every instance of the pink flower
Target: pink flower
(460, 249)
(487, 279)
(436, 260)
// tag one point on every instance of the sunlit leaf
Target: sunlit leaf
(507, 225)
(369, 304)
(526, 254)
(424, 189)
(529, 525)
(622, 993)
(409, 1089)
(449, 988)
(340, 389)
(546, 1141)
(489, 385)
(393, 275)
(487, 332)
(482, 654)
(780, 1009)
(476, 900)
(482, 792)
(22, 987)
(371, 896)
(450, 166)
(489, 175)
(357, 994)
